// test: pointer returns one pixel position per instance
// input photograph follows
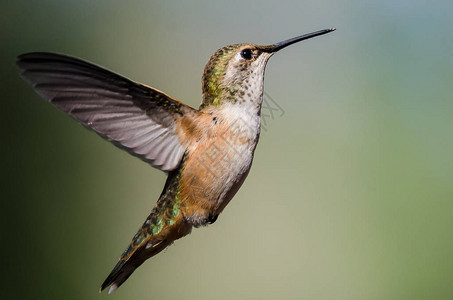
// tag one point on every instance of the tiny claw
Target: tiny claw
(212, 219)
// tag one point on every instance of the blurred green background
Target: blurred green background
(350, 195)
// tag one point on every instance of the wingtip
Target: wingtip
(19, 59)
(25, 56)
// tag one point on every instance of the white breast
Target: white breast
(236, 153)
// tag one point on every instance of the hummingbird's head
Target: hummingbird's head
(235, 73)
(231, 71)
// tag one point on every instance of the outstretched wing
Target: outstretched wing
(137, 118)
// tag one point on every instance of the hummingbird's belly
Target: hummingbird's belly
(214, 170)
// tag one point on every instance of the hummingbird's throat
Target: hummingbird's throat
(240, 85)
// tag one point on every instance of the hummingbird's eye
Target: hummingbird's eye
(246, 54)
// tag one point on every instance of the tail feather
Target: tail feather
(151, 239)
(127, 265)
(164, 225)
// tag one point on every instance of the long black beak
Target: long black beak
(281, 45)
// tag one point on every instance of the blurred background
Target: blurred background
(350, 195)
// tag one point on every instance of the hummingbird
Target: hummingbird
(206, 152)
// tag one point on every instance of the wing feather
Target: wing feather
(137, 118)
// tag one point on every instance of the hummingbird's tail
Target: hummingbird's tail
(164, 225)
(126, 266)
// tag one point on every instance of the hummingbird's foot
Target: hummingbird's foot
(211, 219)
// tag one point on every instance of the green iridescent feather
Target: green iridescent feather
(213, 91)
(165, 213)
